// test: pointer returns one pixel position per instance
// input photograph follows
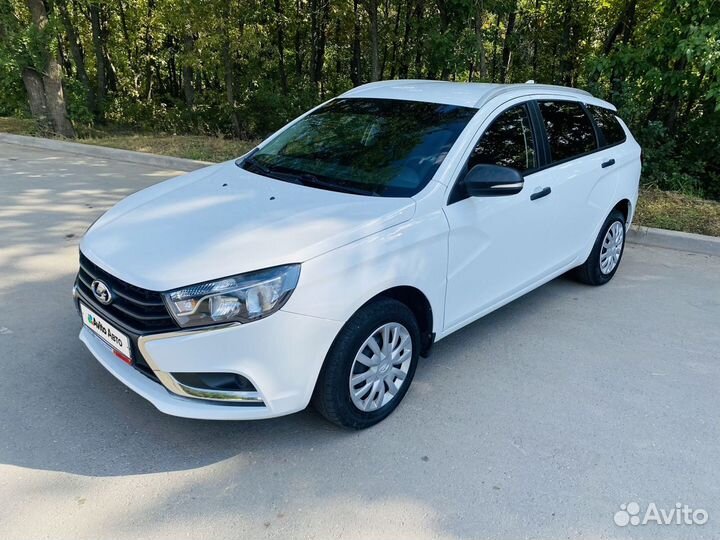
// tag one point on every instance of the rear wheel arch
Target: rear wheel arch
(590, 272)
(624, 206)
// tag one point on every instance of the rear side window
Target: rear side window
(608, 124)
(569, 130)
(507, 142)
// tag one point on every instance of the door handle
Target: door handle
(608, 163)
(540, 194)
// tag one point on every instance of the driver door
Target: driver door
(497, 244)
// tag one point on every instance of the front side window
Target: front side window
(507, 142)
(383, 147)
(569, 130)
(608, 123)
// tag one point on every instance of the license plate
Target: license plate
(106, 331)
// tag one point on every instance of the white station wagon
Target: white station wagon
(320, 266)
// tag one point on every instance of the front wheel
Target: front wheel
(370, 365)
(604, 259)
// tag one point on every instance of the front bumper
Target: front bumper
(280, 355)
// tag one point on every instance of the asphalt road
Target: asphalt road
(538, 421)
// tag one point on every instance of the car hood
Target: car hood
(223, 220)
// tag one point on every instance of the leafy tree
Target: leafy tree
(245, 67)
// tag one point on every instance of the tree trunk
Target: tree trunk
(496, 37)
(51, 80)
(36, 97)
(62, 57)
(672, 114)
(506, 52)
(281, 46)
(419, 10)
(55, 99)
(320, 16)
(149, 62)
(230, 88)
(372, 7)
(355, 76)
(77, 54)
(630, 21)
(131, 48)
(314, 38)
(100, 68)
(444, 10)
(479, 38)
(171, 46)
(395, 41)
(404, 53)
(187, 70)
(298, 39)
(567, 62)
(625, 25)
(536, 39)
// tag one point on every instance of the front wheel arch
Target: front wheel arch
(331, 397)
(419, 304)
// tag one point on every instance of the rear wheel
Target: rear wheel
(370, 365)
(604, 259)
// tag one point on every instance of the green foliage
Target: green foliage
(665, 82)
(243, 68)
(12, 94)
(12, 100)
(77, 97)
(665, 165)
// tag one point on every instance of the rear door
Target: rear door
(615, 162)
(571, 172)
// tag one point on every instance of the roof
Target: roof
(455, 93)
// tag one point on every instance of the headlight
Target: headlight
(242, 298)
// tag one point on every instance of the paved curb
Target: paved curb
(115, 154)
(681, 241)
(647, 236)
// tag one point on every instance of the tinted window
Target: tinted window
(608, 124)
(569, 130)
(376, 146)
(507, 142)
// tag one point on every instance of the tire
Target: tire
(593, 271)
(332, 396)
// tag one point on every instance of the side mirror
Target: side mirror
(492, 181)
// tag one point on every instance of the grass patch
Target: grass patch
(18, 126)
(202, 147)
(677, 212)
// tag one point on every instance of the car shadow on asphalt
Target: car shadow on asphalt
(61, 410)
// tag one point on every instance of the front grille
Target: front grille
(139, 310)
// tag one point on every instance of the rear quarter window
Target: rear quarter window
(569, 130)
(607, 122)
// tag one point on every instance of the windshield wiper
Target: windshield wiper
(302, 178)
(255, 164)
(312, 180)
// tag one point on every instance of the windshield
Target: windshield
(381, 147)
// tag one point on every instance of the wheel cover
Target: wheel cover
(380, 367)
(612, 246)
